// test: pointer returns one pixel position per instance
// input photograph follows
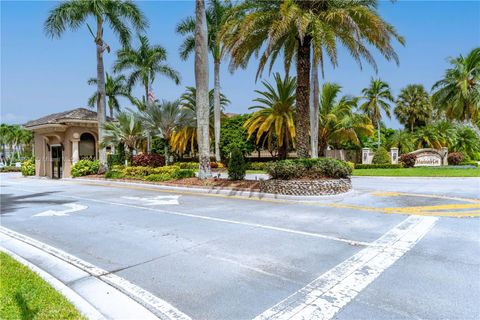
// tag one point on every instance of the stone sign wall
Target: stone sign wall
(431, 157)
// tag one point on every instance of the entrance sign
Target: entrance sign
(431, 157)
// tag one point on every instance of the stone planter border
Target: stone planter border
(306, 187)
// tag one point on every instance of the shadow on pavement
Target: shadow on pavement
(11, 203)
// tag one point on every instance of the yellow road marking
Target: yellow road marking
(418, 210)
(399, 194)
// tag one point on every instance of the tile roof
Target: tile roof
(81, 114)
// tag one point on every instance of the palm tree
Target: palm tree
(127, 130)
(216, 14)
(162, 119)
(144, 63)
(413, 107)
(186, 133)
(73, 14)
(458, 93)
(114, 87)
(377, 99)
(201, 85)
(337, 121)
(466, 141)
(274, 120)
(296, 28)
(403, 140)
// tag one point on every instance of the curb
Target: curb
(112, 296)
(83, 306)
(242, 194)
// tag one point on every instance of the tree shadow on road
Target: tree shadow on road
(11, 203)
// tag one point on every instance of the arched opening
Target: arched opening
(86, 147)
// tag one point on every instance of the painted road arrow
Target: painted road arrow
(72, 207)
(153, 201)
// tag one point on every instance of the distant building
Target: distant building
(61, 139)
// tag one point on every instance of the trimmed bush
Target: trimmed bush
(113, 174)
(257, 165)
(158, 177)
(28, 168)
(85, 168)
(236, 165)
(381, 156)
(408, 160)
(148, 160)
(10, 169)
(469, 163)
(187, 165)
(455, 158)
(309, 169)
(378, 166)
(185, 173)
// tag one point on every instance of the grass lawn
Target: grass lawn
(419, 172)
(24, 295)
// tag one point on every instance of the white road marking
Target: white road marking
(236, 222)
(153, 201)
(156, 305)
(73, 207)
(326, 295)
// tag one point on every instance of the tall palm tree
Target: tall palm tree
(72, 14)
(114, 87)
(144, 62)
(314, 109)
(201, 85)
(274, 120)
(127, 130)
(458, 93)
(337, 120)
(186, 133)
(403, 140)
(216, 13)
(296, 28)
(413, 107)
(162, 119)
(377, 99)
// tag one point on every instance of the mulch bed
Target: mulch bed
(213, 183)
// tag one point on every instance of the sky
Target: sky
(40, 75)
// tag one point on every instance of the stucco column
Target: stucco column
(75, 153)
(394, 155)
(365, 156)
(445, 156)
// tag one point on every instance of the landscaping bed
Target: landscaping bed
(24, 295)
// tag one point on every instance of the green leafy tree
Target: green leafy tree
(216, 14)
(162, 119)
(377, 98)
(144, 63)
(274, 120)
(118, 14)
(458, 93)
(114, 87)
(127, 130)
(234, 135)
(236, 165)
(413, 107)
(293, 29)
(338, 123)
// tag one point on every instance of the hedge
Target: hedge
(10, 169)
(85, 168)
(308, 169)
(378, 166)
(150, 174)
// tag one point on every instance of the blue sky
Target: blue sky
(40, 75)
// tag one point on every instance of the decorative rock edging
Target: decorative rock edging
(306, 187)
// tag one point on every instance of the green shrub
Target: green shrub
(351, 165)
(308, 169)
(159, 177)
(379, 166)
(469, 163)
(236, 165)
(185, 173)
(113, 174)
(84, 168)
(257, 165)
(381, 156)
(10, 169)
(115, 159)
(28, 168)
(187, 165)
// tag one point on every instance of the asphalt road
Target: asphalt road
(396, 248)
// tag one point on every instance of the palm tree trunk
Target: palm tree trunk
(201, 83)
(165, 151)
(101, 100)
(378, 133)
(314, 105)
(110, 106)
(216, 109)
(302, 118)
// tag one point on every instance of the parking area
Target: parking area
(394, 248)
